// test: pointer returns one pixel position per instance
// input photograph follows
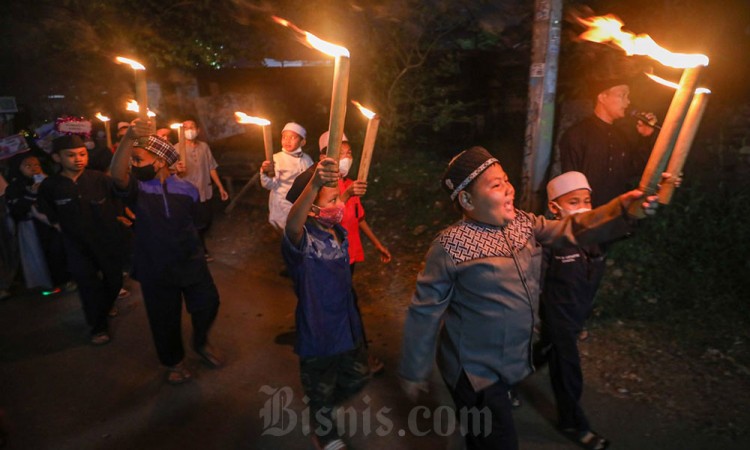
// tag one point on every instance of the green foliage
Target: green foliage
(692, 257)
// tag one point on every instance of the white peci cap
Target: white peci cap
(567, 182)
(295, 127)
(323, 141)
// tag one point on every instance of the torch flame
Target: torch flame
(101, 117)
(132, 63)
(176, 126)
(366, 112)
(245, 119)
(673, 85)
(604, 29)
(132, 105)
(312, 40)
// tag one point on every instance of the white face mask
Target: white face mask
(190, 135)
(344, 165)
(565, 213)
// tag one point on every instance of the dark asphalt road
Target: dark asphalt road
(59, 392)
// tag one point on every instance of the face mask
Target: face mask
(565, 213)
(190, 135)
(144, 173)
(330, 215)
(89, 145)
(344, 165)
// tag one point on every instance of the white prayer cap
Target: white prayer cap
(323, 141)
(295, 127)
(567, 182)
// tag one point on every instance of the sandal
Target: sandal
(100, 338)
(336, 444)
(178, 374)
(377, 366)
(586, 439)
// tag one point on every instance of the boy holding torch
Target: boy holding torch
(354, 221)
(571, 279)
(285, 167)
(479, 292)
(170, 262)
(330, 339)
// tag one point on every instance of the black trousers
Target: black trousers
(475, 405)
(565, 371)
(163, 299)
(98, 272)
(54, 253)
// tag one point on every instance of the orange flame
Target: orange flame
(245, 119)
(366, 112)
(131, 62)
(605, 29)
(101, 117)
(176, 126)
(132, 105)
(673, 85)
(312, 40)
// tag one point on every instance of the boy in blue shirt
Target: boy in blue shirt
(169, 257)
(333, 359)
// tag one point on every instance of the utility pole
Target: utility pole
(540, 117)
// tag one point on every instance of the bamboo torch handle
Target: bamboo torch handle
(367, 149)
(338, 108)
(268, 146)
(665, 142)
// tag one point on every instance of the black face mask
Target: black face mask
(145, 173)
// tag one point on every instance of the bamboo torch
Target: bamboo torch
(141, 87)
(370, 135)
(180, 141)
(684, 138)
(684, 142)
(665, 142)
(105, 119)
(340, 84)
(608, 29)
(265, 125)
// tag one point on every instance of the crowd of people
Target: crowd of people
(86, 216)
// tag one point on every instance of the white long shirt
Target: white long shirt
(287, 166)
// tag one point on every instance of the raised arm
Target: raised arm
(327, 171)
(121, 159)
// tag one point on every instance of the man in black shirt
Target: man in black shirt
(611, 158)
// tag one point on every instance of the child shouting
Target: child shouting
(479, 292)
